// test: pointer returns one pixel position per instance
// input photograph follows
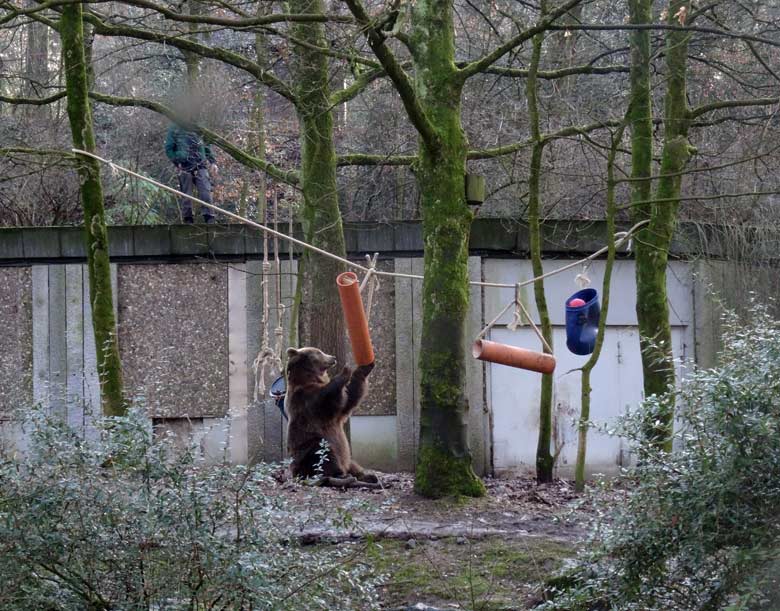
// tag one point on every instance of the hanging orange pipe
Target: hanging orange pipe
(512, 356)
(355, 316)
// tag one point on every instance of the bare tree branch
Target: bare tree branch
(183, 43)
(397, 74)
(480, 65)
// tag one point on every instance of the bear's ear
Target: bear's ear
(291, 352)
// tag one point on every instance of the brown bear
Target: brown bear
(318, 408)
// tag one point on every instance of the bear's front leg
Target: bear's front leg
(357, 387)
(332, 399)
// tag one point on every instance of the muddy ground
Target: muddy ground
(477, 554)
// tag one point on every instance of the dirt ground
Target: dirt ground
(478, 554)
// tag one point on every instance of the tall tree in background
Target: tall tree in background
(432, 99)
(545, 461)
(321, 217)
(71, 29)
(36, 61)
(655, 332)
(433, 102)
(641, 123)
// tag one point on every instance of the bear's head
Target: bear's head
(306, 365)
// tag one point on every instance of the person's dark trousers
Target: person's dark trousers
(195, 182)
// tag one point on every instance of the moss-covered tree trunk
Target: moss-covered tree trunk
(545, 460)
(655, 332)
(444, 464)
(100, 293)
(587, 368)
(318, 308)
(641, 124)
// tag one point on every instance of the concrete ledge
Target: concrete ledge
(154, 240)
(11, 244)
(40, 242)
(502, 237)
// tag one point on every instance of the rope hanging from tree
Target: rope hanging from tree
(269, 359)
(261, 360)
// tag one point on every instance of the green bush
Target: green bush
(694, 526)
(126, 522)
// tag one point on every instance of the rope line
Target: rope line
(621, 236)
(373, 283)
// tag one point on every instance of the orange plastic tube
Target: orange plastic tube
(355, 316)
(512, 356)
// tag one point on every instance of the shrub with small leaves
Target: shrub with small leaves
(694, 524)
(132, 522)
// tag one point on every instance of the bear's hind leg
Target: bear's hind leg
(313, 464)
(362, 475)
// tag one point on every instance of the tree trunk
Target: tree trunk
(444, 463)
(256, 139)
(318, 307)
(545, 461)
(641, 121)
(100, 294)
(192, 60)
(583, 425)
(655, 332)
(36, 64)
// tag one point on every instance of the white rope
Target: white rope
(260, 364)
(582, 280)
(226, 213)
(270, 359)
(372, 281)
(621, 236)
(520, 311)
(517, 316)
(535, 328)
(280, 307)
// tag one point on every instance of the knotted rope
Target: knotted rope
(372, 281)
(269, 358)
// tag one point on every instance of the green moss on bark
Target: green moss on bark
(584, 422)
(444, 464)
(545, 461)
(640, 110)
(317, 297)
(99, 271)
(439, 473)
(655, 332)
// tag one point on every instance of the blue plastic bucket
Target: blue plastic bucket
(277, 391)
(582, 322)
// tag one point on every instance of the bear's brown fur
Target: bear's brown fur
(318, 408)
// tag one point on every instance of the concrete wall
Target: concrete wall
(190, 312)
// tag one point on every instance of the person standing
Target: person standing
(193, 159)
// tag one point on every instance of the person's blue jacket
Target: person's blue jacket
(186, 149)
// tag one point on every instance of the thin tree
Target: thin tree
(545, 461)
(585, 388)
(71, 29)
